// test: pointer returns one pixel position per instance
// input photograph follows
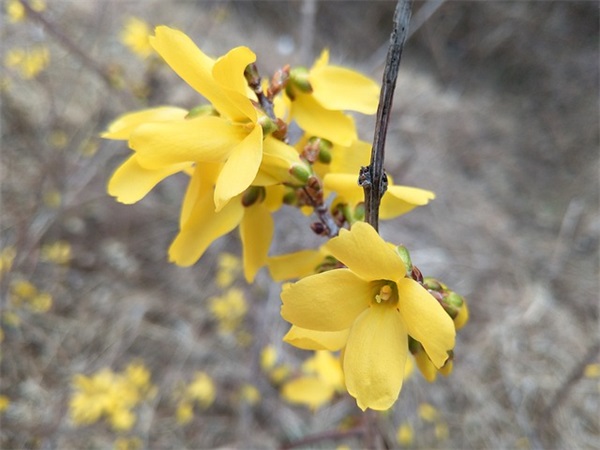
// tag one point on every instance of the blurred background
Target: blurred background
(496, 111)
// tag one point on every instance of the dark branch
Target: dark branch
(373, 178)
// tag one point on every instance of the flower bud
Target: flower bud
(299, 79)
(432, 284)
(252, 195)
(268, 125)
(290, 198)
(202, 110)
(300, 172)
(359, 212)
(405, 257)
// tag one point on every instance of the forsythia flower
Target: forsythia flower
(135, 36)
(29, 62)
(223, 147)
(229, 309)
(380, 307)
(323, 378)
(318, 97)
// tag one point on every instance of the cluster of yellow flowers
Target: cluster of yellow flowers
(200, 391)
(23, 293)
(111, 396)
(259, 145)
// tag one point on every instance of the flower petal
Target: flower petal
(426, 320)
(346, 187)
(318, 121)
(375, 358)
(131, 182)
(194, 67)
(122, 127)
(399, 200)
(240, 169)
(366, 254)
(228, 72)
(329, 301)
(294, 265)
(338, 88)
(202, 139)
(350, 159)
(316, 340)
(203, 226)
(256, 231)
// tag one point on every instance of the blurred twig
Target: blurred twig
(372, 178)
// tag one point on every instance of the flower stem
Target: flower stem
(373, 178)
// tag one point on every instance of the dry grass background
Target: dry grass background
(496, 110)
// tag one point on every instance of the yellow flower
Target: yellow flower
(250, 394)
(15, 11)
(135, 36)
(323, 378)
(29, 62)
(396, 200)
(229, 309)
(319, 96)
(268, 358)
(405, 435)
(58, 252)
(185, 412)
(229, 267)
(7, 257)
(380, 307)
(234, 137)
(4, 403)
(428, 412)
(202, 390)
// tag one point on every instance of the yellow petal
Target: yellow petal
(131, 182)
(426, 320)
(329, 301)
(194, 67)
(228, 71)
(256, 231)
(322, 60)
(350, 159)
(309, 391)
(316, 340)
(318, 121)
(277, 160)
(203, 226)
(294, 265)
(122, 127)
(425, 366)
(346, 187)
(462, 317)
(338, 88)
(240, 169)
(366, 254)
(201, 183)
(202, 139)
(375, 358)
(399, 200)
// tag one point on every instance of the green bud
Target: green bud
(300, 172)
(432, 284)
(299, 79)
(405, 257)
(325, 156)
(201, 110)
(267, 125)
(252, 195)
(290, 198)
(359, 212)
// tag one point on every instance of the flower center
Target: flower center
(385, 293)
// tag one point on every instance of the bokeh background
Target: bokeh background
(496, 110)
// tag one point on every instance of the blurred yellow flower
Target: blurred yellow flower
(250, 394)
(229, 309)
(592, 371)
(268, 358)
(322, 378)
(405, 434)
(29, 62)
(7, 257)
(381, 307)
(4, 403)
(128, 443)
(185, 412)
(14, 10)
(202, 390)
(110, 395)
(229, 266)
(58, 252)
(428, 412)
(135, 36)
(441, 431)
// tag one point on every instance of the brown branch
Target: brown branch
(372, 178)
